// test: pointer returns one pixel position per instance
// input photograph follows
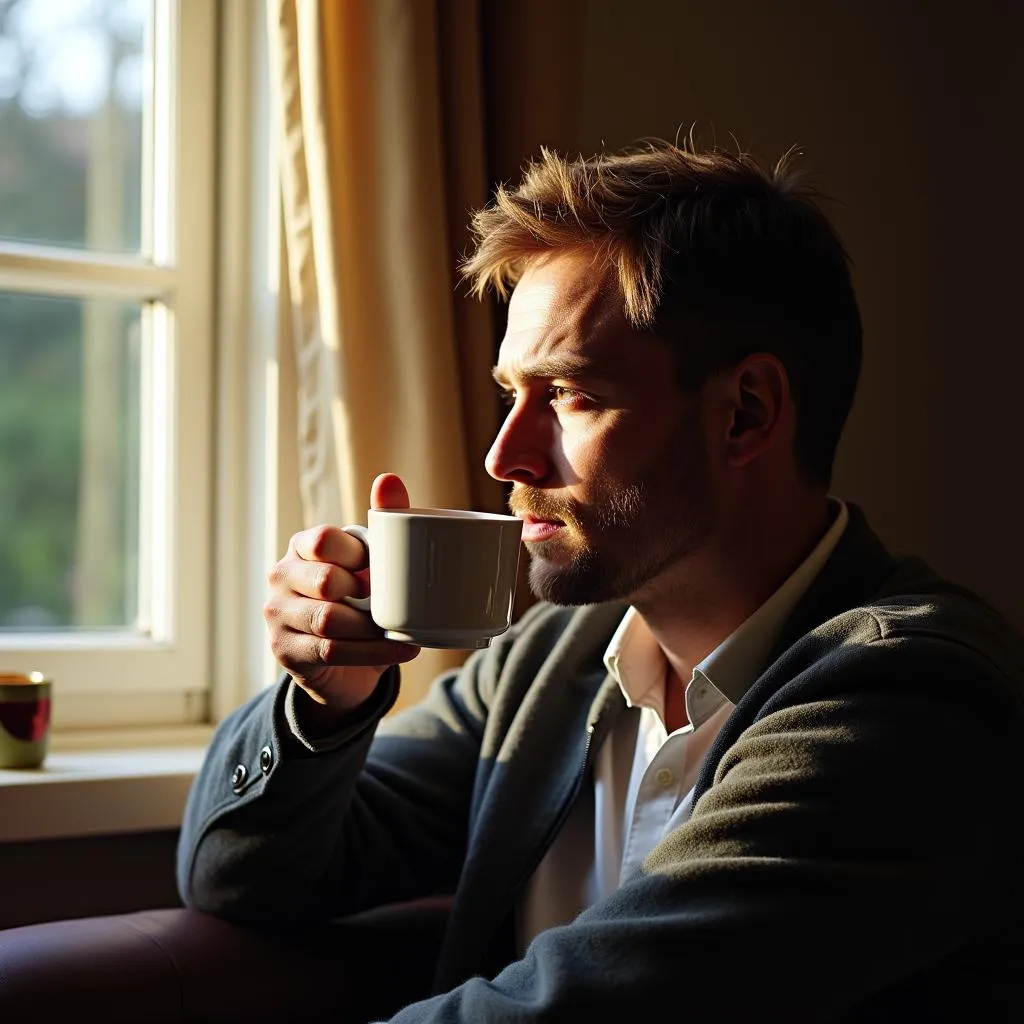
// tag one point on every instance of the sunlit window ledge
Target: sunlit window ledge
(103, 784)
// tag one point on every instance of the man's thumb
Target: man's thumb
(388, 491)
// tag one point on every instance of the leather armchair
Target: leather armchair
(181, 965)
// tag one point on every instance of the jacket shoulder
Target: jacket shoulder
(918, 604)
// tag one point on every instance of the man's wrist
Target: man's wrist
(320, 727)
(317, 719)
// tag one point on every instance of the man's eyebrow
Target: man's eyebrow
(550, 368)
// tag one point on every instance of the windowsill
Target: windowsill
(111, 788)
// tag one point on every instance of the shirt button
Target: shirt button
(664, 777)
(238, 777)
(266, 760)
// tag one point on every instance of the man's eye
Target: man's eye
(566, 396)
(559, 396)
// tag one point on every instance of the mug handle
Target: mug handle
(363, 534)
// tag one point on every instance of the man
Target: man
(737, 757)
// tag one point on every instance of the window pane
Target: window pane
(70, 374)
(74, 78)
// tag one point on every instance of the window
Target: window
(107, 356)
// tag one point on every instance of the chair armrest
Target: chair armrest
(181, 965)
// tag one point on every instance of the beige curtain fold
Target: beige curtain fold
(381, 160)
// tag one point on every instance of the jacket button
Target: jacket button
(238, 777)
(266, 760)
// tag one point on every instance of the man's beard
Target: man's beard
(617, 544)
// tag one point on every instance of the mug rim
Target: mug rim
(466, 514)
(24, 678)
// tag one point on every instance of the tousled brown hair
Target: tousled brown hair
(708, 247)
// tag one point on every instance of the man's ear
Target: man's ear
(758, 389)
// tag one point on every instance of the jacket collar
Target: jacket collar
(855, 572)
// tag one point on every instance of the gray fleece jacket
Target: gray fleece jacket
(854, 851)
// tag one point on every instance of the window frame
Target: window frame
(255, 513)
(107, 679)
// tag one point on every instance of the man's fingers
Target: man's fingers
(388, 491)
(311, 627)
(326, 543)
(329, 544)
(299, 653)
(320, 581)
(331, 620)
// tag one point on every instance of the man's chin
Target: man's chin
(551, 582)
(569, 584)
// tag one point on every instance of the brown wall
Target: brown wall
(908, 113)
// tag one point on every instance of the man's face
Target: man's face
(606, 455)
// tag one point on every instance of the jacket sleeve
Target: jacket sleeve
(861, 828)
(276, 834)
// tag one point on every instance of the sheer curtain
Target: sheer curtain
(391, 366)
(383, 155)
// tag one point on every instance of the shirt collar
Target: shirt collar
(635, 660)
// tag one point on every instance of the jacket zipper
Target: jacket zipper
(558, 822)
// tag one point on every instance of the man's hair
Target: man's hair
(710, 249)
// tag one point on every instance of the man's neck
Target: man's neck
(707, 596)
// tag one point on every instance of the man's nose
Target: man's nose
(520, 453)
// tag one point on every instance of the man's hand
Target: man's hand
(333, 651)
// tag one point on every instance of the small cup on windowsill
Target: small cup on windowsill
(25, 699)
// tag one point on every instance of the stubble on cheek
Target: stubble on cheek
(582, 562)
(622, 508)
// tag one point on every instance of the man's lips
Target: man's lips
(535, 529)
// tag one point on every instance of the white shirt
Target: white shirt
(644, 777)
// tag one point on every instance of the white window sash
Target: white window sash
(115, 678)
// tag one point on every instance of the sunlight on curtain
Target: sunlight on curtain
(380, 381)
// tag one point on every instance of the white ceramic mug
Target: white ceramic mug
(440, 577)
